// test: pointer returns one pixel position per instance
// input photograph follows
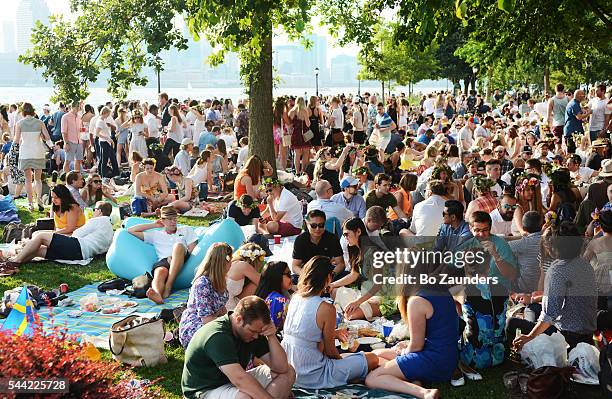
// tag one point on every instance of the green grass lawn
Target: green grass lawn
(50, 275)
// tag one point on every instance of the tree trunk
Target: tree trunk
(261, 139)
(466, 85)
(489, 82)
(473, 82)
(383, 91)
(546, 78)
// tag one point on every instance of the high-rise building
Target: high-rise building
(316, 57)
(8, 37)
(344, 69)
(28, 12)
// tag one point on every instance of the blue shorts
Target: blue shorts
(139, 205)
(430, 367)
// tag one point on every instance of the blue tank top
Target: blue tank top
(442, 328)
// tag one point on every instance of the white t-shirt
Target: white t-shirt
(428, 106)
(499, 225)
(338, 117)
(152, 125)
(464, 139)
(92, 125)
(288, 203)
(164, 242)
(598, 116)
(95, 236)
(243, 154)
(481, 132)
(105, 131)
(183, 162)
(584, 172)
(230, 140)
(541, 109)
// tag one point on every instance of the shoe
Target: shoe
(459, 382)
(471, 375)
(31, 207)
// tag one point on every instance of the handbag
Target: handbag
(138, 341)
(549, 382)
(308, 134)
(45, 224)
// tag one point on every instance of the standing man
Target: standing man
(556, 112)
(71, 134)
(371, 115)
(56, 134)
(152, 120)
(220, 351)
(165, 112)
(574, 117)
(242, 122)
(600, 116)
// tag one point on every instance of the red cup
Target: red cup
(277, 238)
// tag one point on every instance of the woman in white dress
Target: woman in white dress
(201, 174)
(243, 276)
(31, 136)
(140, 133)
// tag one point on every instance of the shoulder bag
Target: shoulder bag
(138, 341)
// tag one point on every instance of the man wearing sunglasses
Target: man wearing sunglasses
(284, 210)
(316, 241)
(503, 215)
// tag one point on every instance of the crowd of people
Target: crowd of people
(524, 179)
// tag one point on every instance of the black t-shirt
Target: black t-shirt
(234, 211)
(594, 161)
(304, 249)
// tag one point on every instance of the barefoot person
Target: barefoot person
(219, 352)
(172, 244)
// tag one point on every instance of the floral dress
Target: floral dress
(278, 308)
(17, 175)
(203, 301)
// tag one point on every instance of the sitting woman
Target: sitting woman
(529, 198)
(186, 192)
(274, 283)
(208, 294)
(599, 253)
(150, 190)
(244, 211)
(250, 177)
(93, 238)
(201, 174)
(243, 275)
(432, 353)
(310, 331)
(95, 190)
(569, 304)
(353, 293)
(403, 196)
(66, 213)
(135, 165)
(328, 168)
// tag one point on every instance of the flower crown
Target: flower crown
(270, 181)
(482, 183)
(550, 217)
(360, 171)
(527, 180)
(439, 168)
(252, 254)
(595, 216)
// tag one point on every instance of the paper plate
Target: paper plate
(368, 340)
(358, 324)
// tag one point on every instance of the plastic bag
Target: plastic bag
(585, 359)
(89, 303)
(545, 350)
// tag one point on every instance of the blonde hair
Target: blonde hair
(299, 109)
(239, 256)
(105, 110)
(213, 265)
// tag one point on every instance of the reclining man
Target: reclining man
(172, 244)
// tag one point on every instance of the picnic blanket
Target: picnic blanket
(95, 325)
(346, 392)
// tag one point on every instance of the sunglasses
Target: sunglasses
(97, 181)
(268, 190)
(506, 206)
(317, 225)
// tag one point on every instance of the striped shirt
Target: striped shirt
(526, 250)
(486, 203)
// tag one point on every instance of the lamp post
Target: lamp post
(359, 86)
(316, 71)
(158, 61)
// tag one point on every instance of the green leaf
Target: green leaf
(460, 9)
(506, 5)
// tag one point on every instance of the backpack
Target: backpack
(13, 232)
(605, 375)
